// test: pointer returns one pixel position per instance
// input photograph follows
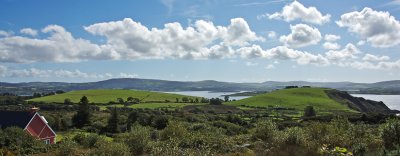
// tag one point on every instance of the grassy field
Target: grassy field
(155, 105)
(105, 96)
(297, 98)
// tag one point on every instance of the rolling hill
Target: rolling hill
(28, 88)
(107, 95)
(321, 99)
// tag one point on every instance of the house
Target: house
(31, 121)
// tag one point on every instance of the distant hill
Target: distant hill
(28, 88)
(322, 99)
(105, 96)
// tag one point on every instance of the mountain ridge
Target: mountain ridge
(27, 88)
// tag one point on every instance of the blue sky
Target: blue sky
(191, 40)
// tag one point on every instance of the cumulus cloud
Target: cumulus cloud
(4, 33)
(331, 37)
(348, 52)
(59, 46)
(376, 27)
(127, 39)
(29, 31)
(202, 40)
(45, 73)
(370, 57)
(296, 10)
(331, 46)
(384, 65)
(283, 53)
(301, 35)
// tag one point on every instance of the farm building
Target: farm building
(31, 121)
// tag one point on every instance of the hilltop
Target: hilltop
(322, 99)
(107, 95)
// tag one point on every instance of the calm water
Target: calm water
(209, 95)
(392, 101)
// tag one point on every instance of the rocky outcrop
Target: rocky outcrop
(358, 103)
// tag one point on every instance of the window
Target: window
(47, 141)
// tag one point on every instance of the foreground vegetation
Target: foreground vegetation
(298, 121)
(163, 132)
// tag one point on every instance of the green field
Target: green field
(155, 105)
(297, 98)
(105, 96)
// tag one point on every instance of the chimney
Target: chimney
(34, 109)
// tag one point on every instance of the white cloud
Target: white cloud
(251, 63)
(331, 37)
(202, 40)
(131, 40)
(46, 73)
(60, 46)
(376, 66)
(348, 52)
(4, 33)
(296, 10)
(271, 34)
(360, 43)
(331, 46)
(301, 35)
(270, 66)
(376, 27)
(29, 31)
(283, 53)
(126, 75)
(370, 57)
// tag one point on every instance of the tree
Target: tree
(185, 99)
(37, 95)
(129, 99)
(309, 111)
(177, 100)
(113, 121)
(226, 98)
(67, 101)
(204, 100)
(132, 118)
(160, 122)
(120, 100)
(196, 100)
(215, 101)
(82, 117)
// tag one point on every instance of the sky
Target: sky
(193, 40)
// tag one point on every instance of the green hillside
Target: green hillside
(297, 98)
(105, 96)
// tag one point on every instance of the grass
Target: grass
(107, 95)
(155, 105)
(296, 98)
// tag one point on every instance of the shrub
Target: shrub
(17, 140)
(174, 130)
(309, 111)
(391, 133)
(137, 139)
(105, 148)
(160, 122)
(67, 147)
(266, 131)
